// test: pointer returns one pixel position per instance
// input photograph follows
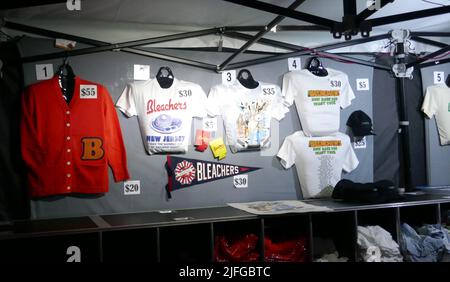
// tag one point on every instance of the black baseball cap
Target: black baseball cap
(360, 123)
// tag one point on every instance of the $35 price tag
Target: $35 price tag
(241, 181)
(132, 187)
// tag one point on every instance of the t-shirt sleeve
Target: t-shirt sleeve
(279, 107)
(429, 104)
(213, 102)
(289, 90)
(287, 154)
(347, 94)
(351, 161)
(200, 103)
(126, 102)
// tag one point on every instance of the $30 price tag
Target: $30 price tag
(132, 187)
(241, 181)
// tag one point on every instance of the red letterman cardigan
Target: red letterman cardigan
(67, 147)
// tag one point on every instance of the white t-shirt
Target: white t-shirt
(247, 113)
(165, 115)
(437, 103)
(318, 99)
(319, 161)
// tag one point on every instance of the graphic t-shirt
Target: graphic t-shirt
(437, 103)
(165, 115)
(318, 99)
(247, 113)
(319, 161)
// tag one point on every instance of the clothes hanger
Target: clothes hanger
(66, 78)
(246, 79)
(315, 67)
(165, 77)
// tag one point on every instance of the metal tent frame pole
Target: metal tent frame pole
(308, 51)
(258, 36)
(118, 46)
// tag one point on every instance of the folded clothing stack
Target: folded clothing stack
(430, 243)
(376, 245)
(377, 192)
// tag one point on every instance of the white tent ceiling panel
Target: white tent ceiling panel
(125, 20)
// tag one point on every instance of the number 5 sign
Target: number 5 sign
(439, 77)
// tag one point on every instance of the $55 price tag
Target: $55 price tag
(88, 91)
(240, 181)
(132, 187)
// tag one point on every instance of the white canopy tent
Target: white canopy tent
(117, 21)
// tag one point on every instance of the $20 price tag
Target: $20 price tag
(241, 181)
(132, 187)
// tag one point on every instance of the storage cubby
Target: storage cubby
(445, 214)
(185, 243)
(235, 231)
(84, 248)
(285, 231)
(128, 246)
(385, 218)
(418, 215)
(340, 227)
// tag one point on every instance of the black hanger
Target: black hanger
(165, 77)
(246, 79)
(66, 78)
(448, 81)
(315, 67)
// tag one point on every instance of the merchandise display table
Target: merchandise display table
(176, 235)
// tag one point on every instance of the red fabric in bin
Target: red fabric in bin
(241, 248)
(293, 250)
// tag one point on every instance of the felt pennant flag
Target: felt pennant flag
(184, 172)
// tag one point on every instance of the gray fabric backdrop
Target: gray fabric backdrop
(438, 164)
(115, 69)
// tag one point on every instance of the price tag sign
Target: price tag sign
(294, 64)
(88, 91)
(241, 181)
(132, 187)
(228, 77)
(141, 72)
(439, 77)
(209, 124)
(44, 71)
(360, 143)
(362, 84)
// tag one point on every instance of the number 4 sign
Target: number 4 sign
(294, 64)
